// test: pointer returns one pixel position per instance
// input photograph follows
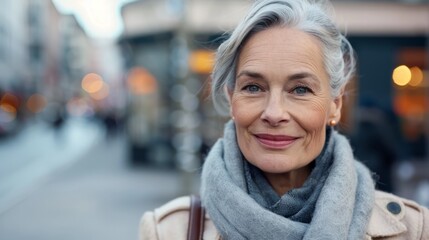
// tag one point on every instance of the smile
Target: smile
(275, 141)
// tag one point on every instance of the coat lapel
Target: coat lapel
(385, 222)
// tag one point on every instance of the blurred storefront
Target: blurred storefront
(174, 42)
(389, 115)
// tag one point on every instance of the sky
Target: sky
(99, 18)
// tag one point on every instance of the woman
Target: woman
(281, 171)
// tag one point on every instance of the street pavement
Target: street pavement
(78, 185)
(37, 151)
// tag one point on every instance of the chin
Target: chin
(275, 164)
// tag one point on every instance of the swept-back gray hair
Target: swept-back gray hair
(310, 16)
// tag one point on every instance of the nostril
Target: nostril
(274, 118)
(274, 112)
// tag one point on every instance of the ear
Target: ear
(335, 110)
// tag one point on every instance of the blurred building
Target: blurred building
(390, 38)
(60, 55)
(77, 56)
(13, 61)
(13, 43)
(44, 50)
(43, 58)
(388, 113)
(170, 45)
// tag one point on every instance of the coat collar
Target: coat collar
(386, 216)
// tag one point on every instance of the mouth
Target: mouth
(275, 141)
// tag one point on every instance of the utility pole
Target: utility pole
(426, 83)
(187, 140)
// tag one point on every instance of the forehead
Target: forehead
(283, 46)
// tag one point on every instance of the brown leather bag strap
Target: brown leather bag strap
(196, 219)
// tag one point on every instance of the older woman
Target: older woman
(281, 171)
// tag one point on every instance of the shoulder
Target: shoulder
(166, 222)
(398, 218)
(170, 221)
(172, 208)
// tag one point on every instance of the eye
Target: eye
(252, 88)
(301, 90)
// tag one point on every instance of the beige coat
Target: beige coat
(393, 218)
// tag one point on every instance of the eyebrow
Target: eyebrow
(249, 74)
(302, 75)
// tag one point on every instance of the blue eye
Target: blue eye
(252, 88)
(301, 90)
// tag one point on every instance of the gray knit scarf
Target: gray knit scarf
(341, 209)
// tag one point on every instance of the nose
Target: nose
(275, 111)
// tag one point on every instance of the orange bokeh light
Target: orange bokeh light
(416, 76)
(401, 75)
(36, 103)
(92, 83)
(201, 61)
(10, 99)
(102, 93)
(141, 81)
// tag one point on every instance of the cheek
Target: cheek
(313, 121)
(244, 111)
(313, 117)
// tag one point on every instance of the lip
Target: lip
(275, 141)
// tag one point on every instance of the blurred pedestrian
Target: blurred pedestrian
(281, 170)
(58, 122)
(110, 121)
(374, 143)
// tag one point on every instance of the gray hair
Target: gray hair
(309, 16)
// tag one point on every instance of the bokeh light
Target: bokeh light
(141, 81)
(36, 103)
(201, 61)
(92, 83)
(401, 75)
(102, 93)
(10, 99)
(416, 76)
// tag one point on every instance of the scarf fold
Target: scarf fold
(341, 210)
(297, 204)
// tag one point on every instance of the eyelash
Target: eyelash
(307, 89)
(247, 88)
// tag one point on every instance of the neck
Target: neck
(283, 182)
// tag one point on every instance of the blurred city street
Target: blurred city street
(106, 110)
(75, 184)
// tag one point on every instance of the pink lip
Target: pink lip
(275, 141)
